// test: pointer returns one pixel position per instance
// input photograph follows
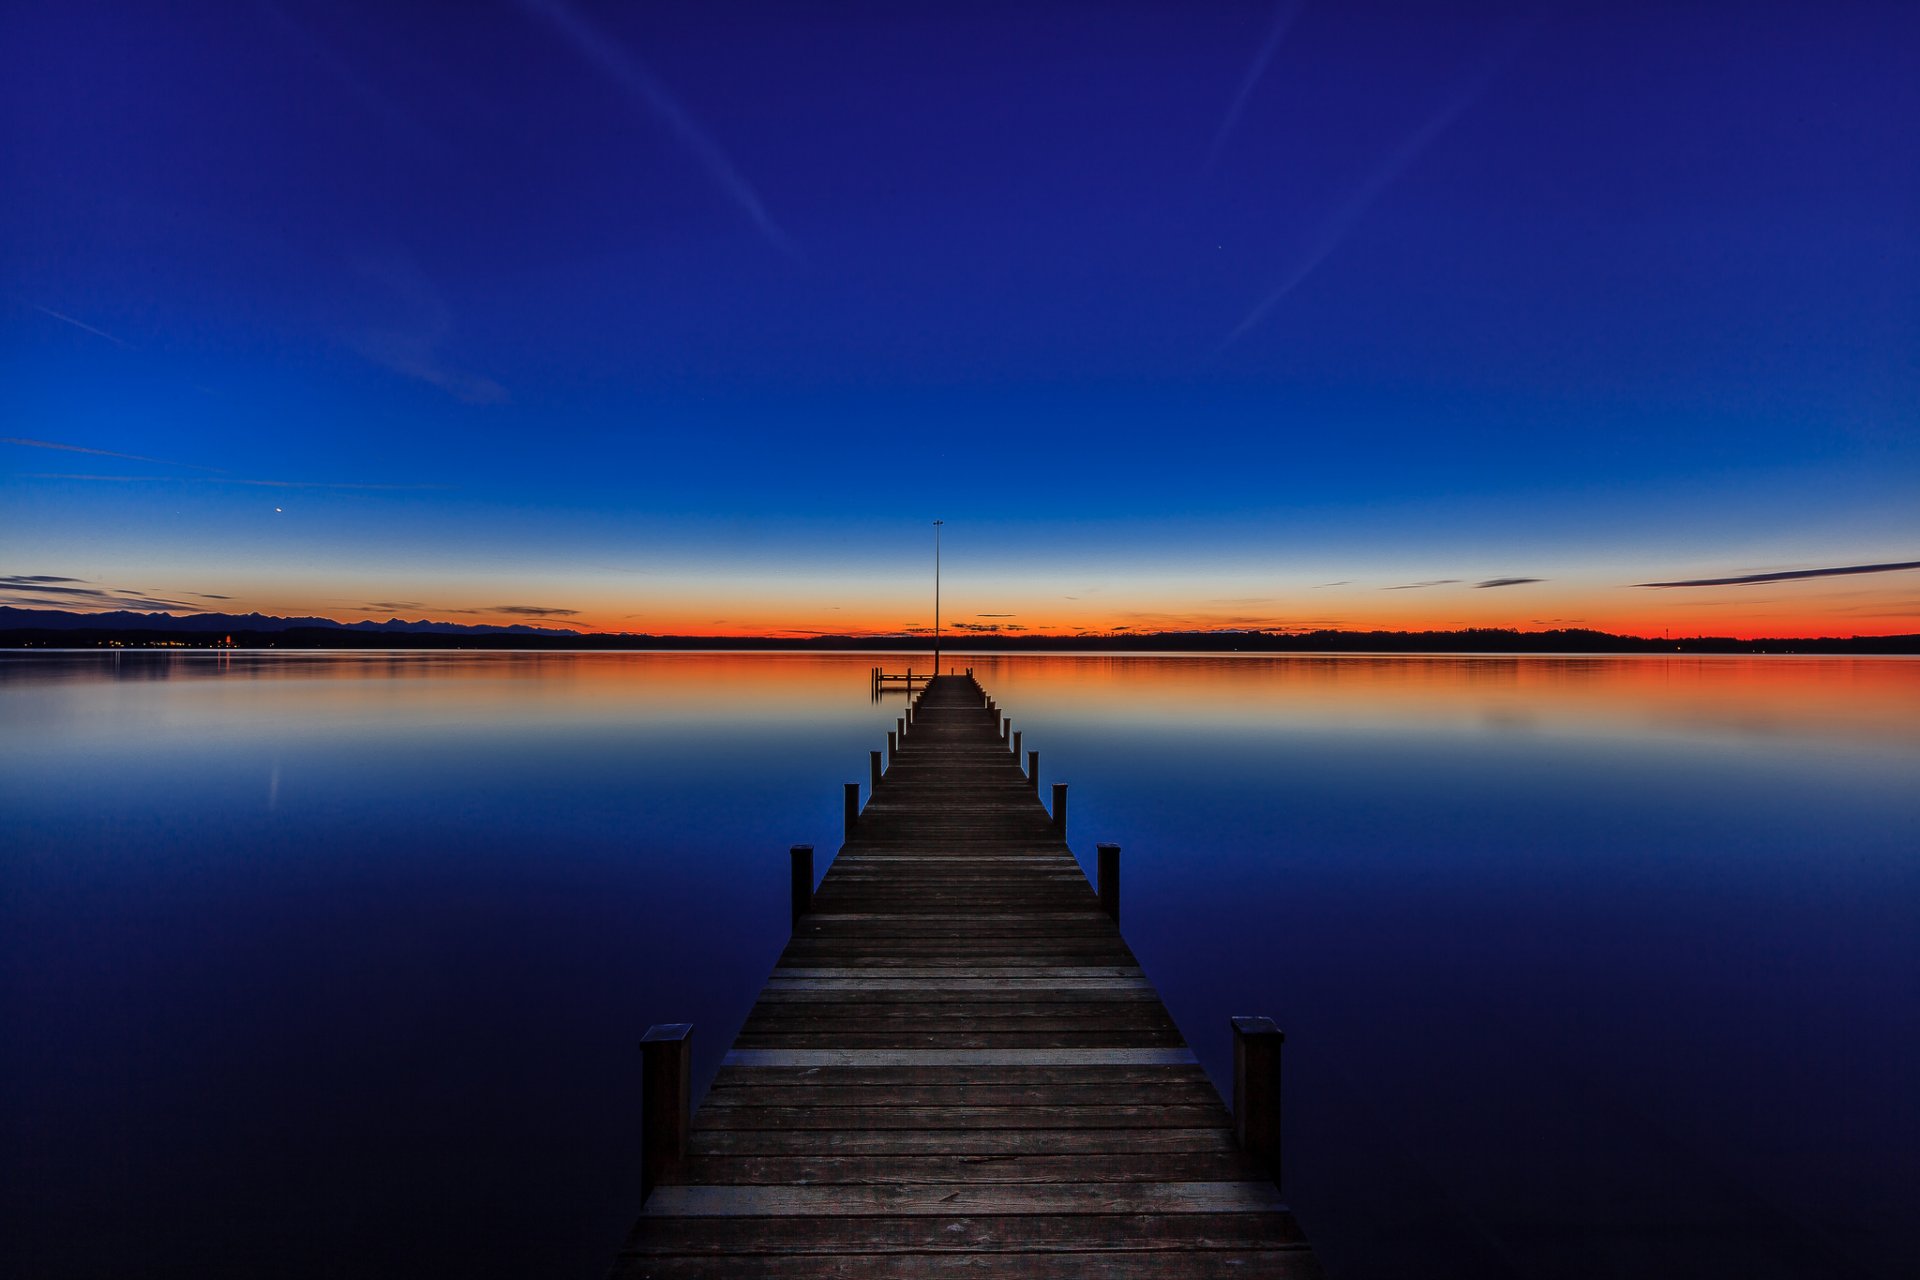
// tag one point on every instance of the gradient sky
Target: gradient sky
(692, 317)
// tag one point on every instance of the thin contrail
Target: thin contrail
(101, 453)
(1283, 19)
(1384, 175)
(637, 80)
(81, 324)
(259, 484)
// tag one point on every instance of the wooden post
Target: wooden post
(1107, 869)
(1256, 1090)
(873, 758)
(802, 856)
(666, 1081)
(853, 807)
(1060, 809)
(1033, 770)
(1006, 727)
(1016, 746)
(893, 748)
(901, 724)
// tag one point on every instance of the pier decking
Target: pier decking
(958, 1067)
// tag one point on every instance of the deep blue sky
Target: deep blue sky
(691, 316)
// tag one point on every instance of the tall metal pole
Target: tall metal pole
(936, 596)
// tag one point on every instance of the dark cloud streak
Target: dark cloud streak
(1787, 575)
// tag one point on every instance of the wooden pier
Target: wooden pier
(957, 1065)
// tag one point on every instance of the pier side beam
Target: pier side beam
(666, 1082)
(1256, 1090)
(853, 807)
(1107, 869)
(1060, 809)
(802, 856)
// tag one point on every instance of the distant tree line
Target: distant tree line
(1475, 640)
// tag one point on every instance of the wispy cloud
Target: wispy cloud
(83, 325)
(259, 484)
(1284, 15)
(1506, 582)
(100, 453)
(1344, 582)
(1788, 575)
(398, 121)
(996, 615)
(631, 75)
(1415, 586)
(1340, 223)
(392, 606)
(53, 591)
(532, 611)
(416, 329)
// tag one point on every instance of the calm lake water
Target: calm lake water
(327, 964)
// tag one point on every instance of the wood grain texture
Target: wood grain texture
(958, 1067)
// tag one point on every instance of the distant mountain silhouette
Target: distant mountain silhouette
(12, 618)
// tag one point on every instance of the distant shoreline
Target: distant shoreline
(1487, 641)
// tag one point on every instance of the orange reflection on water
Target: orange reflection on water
(1870, 698)
(1873, 699)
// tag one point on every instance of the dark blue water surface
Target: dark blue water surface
(334, 964)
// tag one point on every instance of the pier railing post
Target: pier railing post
(1033, 770)
(873, 759)
(1256, 1090)
(853, 807)
(666, 1081)
(802, 856)
(1016, 746)
(1060, 809)
(893, 748)
(1107, 884)
(1006, 727)
(901, 725)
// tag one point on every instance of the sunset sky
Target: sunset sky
(693, 317)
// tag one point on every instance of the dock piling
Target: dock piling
(666, 1081)
(873, 759)
(1033, 770)
(1016, 746)
(1060, 809)
(802, 857)
(1107, 869)
(852, 807)
(1256, 1089)
(893, 747)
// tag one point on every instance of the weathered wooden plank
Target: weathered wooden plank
(873, 1118)
(774, 1142)
(1131, 1166)
(989, 1234)
(1287, 1263)
(1125, 1198)
(1009, 1056)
